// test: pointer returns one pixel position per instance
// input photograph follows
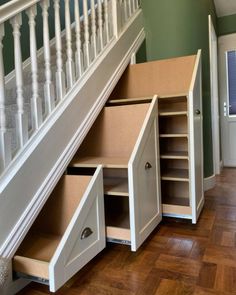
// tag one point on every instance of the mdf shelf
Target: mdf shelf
(118, 233)
(175, 175)
(129, 101)
(177, 210)
(116, 186)
(176, 206)
(175, 155)
(177, 135)
(167, 114)
(107, 162)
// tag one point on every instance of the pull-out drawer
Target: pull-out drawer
(124, 140)
(68, 232)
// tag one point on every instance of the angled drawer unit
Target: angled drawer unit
(178, 84)
(68, 232)
(124, 140)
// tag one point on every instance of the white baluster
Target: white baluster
(78, 55)
(94, 29)
(86, 35)
(21, 117)
(125, 7)
(60, 75)
(70, 66)
(100, 25)
(129, 13)
(36, 102)
(116, 18)
(133, 6)
(48, 87)
(106, 21)
(5, 137)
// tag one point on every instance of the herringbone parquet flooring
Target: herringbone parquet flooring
(177, 259)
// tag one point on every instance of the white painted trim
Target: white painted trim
(209, 182)
(214, 97)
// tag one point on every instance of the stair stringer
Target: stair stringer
(31, 177)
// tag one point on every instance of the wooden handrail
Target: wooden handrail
(14, 7)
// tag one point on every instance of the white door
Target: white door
(227, 80)
(213, 50)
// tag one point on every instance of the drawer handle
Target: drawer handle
(148, 166)
(197, 112)
(86, 233)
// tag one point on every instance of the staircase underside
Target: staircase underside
(30, 178)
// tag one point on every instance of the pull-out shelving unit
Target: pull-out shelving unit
(69, 232)
(124, 139)
(177, 82)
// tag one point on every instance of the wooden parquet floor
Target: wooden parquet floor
(177, 259)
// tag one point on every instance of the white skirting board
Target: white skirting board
(209, 182)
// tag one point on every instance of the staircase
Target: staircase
(50, 101)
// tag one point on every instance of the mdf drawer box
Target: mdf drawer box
(67, 234)
(124, 139)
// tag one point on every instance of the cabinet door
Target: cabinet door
(77, 247)
(196, 144)
(144, 183)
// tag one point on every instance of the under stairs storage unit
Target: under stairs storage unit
(67, 234)
(124, 139)
(177, 82)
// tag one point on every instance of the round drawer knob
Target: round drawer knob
(197, 112)
(148, 166)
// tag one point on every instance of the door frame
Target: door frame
(225, 43)
(215, 118)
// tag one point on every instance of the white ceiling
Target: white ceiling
(225, 7)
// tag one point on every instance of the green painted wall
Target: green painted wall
(176, 28)
(226, 24)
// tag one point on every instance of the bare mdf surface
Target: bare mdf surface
(163, 77)
(178, 258)
(39, 245)
(61, 205)
(114, 133)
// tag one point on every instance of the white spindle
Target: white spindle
(60, 75)
(86, 34)
(133, 6)
(70, 66)
(106, 21)
(94, 29)
(125, 7)
(21, 117)
(78, 55)
(116, 18)
(129, 9)
(5, 139)
(48, 87)
(100, 25)
(36, 102)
